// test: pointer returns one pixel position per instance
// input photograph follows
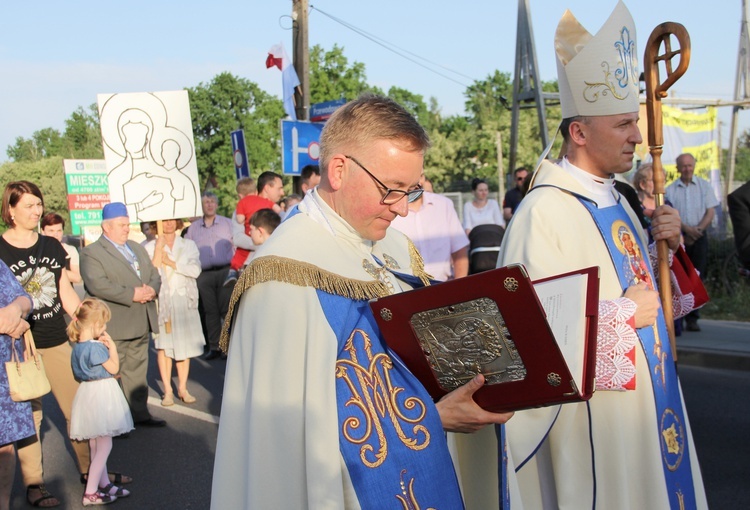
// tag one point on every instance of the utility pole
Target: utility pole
(301, 58)
(741, 92)
(301, 61)
(526, 84)
(500, 170)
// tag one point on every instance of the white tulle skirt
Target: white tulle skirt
(99, 409)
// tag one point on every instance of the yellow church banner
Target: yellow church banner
(695, 132)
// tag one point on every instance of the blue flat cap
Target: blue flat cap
(114, 210)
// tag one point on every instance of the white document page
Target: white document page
(564, 301)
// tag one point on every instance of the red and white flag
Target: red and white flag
(277, 57)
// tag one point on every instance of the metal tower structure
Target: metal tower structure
(741, 93)
(527, 88)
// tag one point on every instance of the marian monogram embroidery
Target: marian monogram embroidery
(616, 82)
(375, 403)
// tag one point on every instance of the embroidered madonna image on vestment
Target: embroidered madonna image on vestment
(672, 439)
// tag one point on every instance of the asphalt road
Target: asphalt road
(172, 466)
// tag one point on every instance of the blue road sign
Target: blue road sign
(300, 145)
(239, 154)
(321, 111)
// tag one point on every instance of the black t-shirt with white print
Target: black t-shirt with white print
(47, 319)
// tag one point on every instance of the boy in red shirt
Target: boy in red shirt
(270, 191)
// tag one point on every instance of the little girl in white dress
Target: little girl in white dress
(100, 410)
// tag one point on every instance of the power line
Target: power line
(397, 50)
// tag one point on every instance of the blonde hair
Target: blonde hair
(367, 119)
(246, 186)
(644, 174)
(91, 311)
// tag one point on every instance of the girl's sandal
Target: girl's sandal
(114, 477)
(98, 498)
(113, 490)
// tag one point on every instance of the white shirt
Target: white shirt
(436, 232)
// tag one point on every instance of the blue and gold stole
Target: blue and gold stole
(391, 436)
(632, 264)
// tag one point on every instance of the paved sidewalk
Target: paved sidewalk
(719, 344)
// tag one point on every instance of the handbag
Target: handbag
(688, 278)
(27, 379)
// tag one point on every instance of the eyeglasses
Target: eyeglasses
(520, 178)
(391, 195)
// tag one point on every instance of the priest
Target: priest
(316, 412)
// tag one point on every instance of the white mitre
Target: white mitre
(597, 75)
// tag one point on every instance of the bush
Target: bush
(728, 290)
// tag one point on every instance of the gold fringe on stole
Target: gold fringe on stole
(417, 264)
(302, 274)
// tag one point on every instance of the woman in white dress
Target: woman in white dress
(481, 210)
(180, 335)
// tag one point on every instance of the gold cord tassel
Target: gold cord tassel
(302, 274)
(417, 264)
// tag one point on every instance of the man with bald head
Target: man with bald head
(316, 413)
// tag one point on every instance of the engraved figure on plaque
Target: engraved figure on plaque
(464, 339)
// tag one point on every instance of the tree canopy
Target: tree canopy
(464, 146)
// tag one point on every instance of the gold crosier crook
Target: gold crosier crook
(655, 91)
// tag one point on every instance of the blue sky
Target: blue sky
(56, 56)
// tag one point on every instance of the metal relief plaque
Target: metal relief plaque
(464, 339)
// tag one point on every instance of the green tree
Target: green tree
(48, 175)
(741, 160)
(44, 143)
(331, 76)
(83, 135)
(81, 140)
(414, 104)
(226, 104)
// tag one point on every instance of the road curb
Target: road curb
(714, 359)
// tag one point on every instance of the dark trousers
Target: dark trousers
(698, 254)
(133, 356)
(214, 300)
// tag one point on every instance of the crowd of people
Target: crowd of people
(629, 446)
(108, 333)
(366, 224)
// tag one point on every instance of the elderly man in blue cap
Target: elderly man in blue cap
(120, 272)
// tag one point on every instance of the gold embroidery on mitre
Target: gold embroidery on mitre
(407, 498)
(303, 274)
(624, 75)
(373, 393)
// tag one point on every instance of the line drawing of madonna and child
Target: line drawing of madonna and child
(151, 176)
